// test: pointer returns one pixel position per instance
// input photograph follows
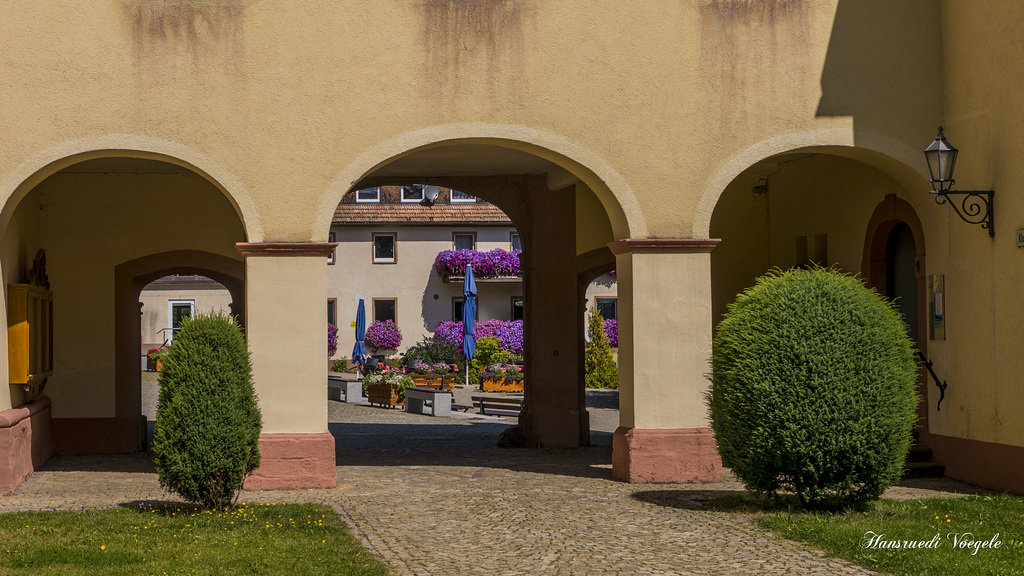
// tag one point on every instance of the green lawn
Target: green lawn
(949, 525)
(181, 539)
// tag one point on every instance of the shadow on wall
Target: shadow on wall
(882, 51)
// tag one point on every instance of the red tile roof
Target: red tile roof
(416, 214)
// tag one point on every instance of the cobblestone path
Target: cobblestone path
(436, 497)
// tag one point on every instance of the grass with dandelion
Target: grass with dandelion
(183, 539)
(973, 535)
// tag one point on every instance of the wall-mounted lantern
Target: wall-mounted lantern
(975, 205)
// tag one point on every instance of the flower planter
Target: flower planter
(154, 364)
(445, 382)
(384, 395)
(501, 385)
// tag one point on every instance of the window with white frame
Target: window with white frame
(464, 240)
(385, 249)
(459, 196)
(515, 241)
(177, 311)
(412, 193)
(368, 194)
(331, 238)
(332, 311)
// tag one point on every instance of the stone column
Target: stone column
(664, 292)
(5, 388)
(555, 413)
(286, 328)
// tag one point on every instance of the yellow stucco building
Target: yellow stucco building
(688, 144)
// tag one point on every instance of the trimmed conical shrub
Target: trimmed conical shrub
(207, 421)
(813, 380)
(598, 362)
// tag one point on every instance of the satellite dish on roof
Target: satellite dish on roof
(430, 195)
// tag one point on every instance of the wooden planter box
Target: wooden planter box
(383, 395)
(154, 364)
(443, 382)
(501, 385)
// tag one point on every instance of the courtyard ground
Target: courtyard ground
(433, 496)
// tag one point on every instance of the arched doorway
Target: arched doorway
(130, 279)
(894, 264)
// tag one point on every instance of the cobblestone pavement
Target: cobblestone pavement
(436, 497)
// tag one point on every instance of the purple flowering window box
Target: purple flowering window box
(495, 264)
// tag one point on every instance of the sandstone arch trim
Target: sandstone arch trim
(614, 192)
(37, 167)
(892, 156)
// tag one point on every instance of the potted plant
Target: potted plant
(386, 387)
(431, 374)
(383, 337)
(501, 378)
(155, 359)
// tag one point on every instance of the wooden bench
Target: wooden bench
(498, 406)
(416, 397)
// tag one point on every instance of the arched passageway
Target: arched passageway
(564, 230)
(812, 206)
(109, 222)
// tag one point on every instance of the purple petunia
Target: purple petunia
(509, 334)
(332, 340)
(496, 263)
(383, 335)
(611, 330)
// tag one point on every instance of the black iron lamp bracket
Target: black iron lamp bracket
(975, 206)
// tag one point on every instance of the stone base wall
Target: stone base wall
(995, 466)
(290, 461)
(672, 455)
(117, 435)
(25, 442)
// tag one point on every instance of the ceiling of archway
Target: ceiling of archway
(468, 160)
(124, 166)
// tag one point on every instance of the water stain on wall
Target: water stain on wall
(756, 46)
(202, 30)
(472, 42)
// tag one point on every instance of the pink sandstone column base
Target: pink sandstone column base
(289, 461)
(673, 455)
(25, 442)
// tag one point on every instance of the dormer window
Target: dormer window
(458, 196)
(412, 193)
(368, 194)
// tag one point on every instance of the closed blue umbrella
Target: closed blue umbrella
(468, 316)
(359, 350)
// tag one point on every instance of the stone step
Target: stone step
(923, 470)
(919, 454)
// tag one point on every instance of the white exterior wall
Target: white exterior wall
(424, 300)
(155, 315)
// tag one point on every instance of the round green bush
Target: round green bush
(812, 392)
(206, 439)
